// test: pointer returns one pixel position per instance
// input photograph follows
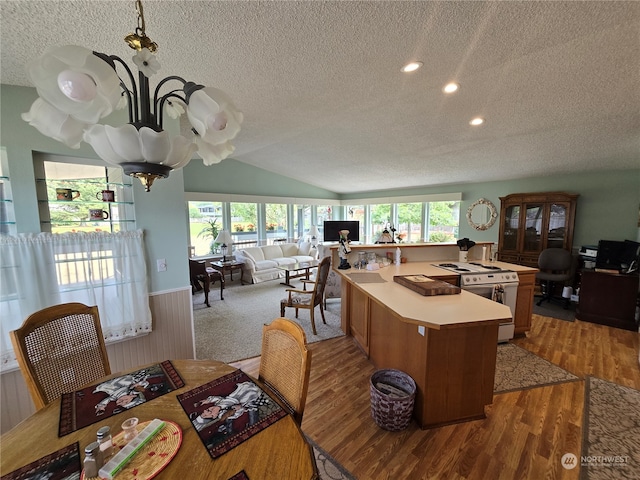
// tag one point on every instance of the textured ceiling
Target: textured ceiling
(324, 100)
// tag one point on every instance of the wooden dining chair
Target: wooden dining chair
(60, 349)
(285, 363)
(309, 299)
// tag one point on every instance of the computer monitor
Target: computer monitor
(332, 229)
(616, 255)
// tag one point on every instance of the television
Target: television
(332, 228)
(616, 255)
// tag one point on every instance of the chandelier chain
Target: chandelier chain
(140, 30)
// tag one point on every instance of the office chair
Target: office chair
(555, 266)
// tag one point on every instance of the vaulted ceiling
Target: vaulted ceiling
(325, 102)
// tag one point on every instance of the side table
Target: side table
(228, 268)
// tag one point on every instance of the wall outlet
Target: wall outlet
(421, 330)
(162, 264)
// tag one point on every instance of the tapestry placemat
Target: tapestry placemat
(97, 402)
(229, 410)
(62, 464)
(240, 476)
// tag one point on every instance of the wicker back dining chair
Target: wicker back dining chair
(60, 349)
(285, 363)
(309, 299)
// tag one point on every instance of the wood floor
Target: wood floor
(524, 435)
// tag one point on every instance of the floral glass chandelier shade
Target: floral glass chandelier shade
(78, 87)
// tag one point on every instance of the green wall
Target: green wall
(607, 207)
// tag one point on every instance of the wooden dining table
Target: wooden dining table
(278, 452)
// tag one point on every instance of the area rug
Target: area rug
(611, 432)
(231, 329)
(328, 467)
(517, 369)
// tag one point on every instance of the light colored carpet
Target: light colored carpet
(231, 329)
(517, 369)
(611, 432)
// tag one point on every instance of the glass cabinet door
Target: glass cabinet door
(511, 225)
(534, 215)
(557, 229)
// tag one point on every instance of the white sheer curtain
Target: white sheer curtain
(98, 268)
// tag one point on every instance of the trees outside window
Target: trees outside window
(443, 221)
(380, 218)
(409, 229)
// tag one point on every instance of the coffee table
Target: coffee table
(296, 270)
(229, 267)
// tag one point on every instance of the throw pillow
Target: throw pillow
(304, 248)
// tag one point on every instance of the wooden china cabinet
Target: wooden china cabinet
(532, 222)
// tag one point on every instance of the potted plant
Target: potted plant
(238, 227)
(251, 227)
(210, 230)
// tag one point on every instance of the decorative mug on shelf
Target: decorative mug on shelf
(98, 214)
(106, 195)
(66, 194)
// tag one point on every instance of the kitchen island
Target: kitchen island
(446, 343)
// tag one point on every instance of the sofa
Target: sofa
(261, 263)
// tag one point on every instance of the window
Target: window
(77, 199)
(244, 218)
(443, 221)
(276, 222)
(381, 218)
(301, 220)
(409, 224)
(7, 219)
(205, 222)
(323, 212)
(357, 212)
(95, 268)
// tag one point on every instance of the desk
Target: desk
(277, 452)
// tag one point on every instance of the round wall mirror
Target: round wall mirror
(482, 214)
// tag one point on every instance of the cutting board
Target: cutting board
(425, 285)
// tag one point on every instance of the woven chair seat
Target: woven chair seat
(309, 299)
(296, 299)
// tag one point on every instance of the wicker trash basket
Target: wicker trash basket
(393, 393)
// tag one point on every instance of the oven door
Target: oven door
(506, 330)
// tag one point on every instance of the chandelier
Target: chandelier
(77, 87)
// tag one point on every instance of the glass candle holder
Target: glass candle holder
(129, 428)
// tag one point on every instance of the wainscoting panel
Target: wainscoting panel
(172, 338)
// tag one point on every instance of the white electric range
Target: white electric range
(489, 281)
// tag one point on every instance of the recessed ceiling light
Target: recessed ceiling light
(450, 87)
(411, 67)
(477, 121)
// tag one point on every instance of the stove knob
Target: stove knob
(475, 279)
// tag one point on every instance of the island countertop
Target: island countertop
(440, 311)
